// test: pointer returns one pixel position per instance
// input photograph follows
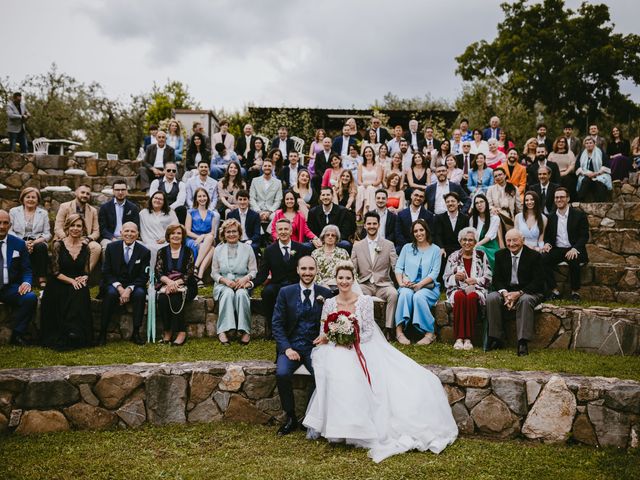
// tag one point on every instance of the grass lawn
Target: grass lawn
(210, 349)
(237, 451)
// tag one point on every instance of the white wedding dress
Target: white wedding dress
(404, 408)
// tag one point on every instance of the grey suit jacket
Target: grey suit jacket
(268, 200)
(14, 117)
(41, 226)
(378, 271)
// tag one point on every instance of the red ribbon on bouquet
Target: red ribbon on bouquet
(356, 345)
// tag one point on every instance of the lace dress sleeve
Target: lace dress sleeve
(55, 259)
(328, 307)
(366, 318)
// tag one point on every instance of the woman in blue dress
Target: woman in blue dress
(417, 271)
(480, 176)
(200, 234)
(532, 222)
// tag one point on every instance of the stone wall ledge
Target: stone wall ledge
(500, 404)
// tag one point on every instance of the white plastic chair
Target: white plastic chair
(298, 143)
(41, 146)
(112, 156)
(265, 140)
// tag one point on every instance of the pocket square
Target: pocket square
(137, 261)
(16, 254)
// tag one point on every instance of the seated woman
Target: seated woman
(352, 160)
(154, 221)
(200, 232)
(30, 222)
(529, 152)
(478, 145)
(594, 174)
(417, 271)
(504, 199)
(275, 155)
(316, 146)
(332, 174)
(371, 141)
(253, 162)
(395, 166)
(495, 157)
(395, 196)
(635, 152)
(307, 196)
(300, 232)
(369, 180)
(234, 266)
(504, 141)
(454, 174)
(66, 321)
(228, 187)
(345, 192)
(487, 227)
(175, 140)
(197, 151)
(383, 157)
(418, 176)
(440, 157)
(175, 284)
(480, 176)
(467, 278)
(328, 256)
(619, 153)
(531, 222)
(566, 161)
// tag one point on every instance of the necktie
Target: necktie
(286, 255)
(307, 299)
(544, 195)
(1, 265)
(514, 270)
(466, 164)
(590, 164)
(127, 255)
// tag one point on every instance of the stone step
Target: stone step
(499, 404)
(612, 214)
(620, 246)
(605, 282)
(602, 330)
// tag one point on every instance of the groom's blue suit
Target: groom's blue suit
(295, 326)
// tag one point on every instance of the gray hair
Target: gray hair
(547, 168)
(492, 141)
(327, 229)
(466, 231)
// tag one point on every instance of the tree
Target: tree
(163, 100)
(569, 62)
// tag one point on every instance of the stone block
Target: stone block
(4, 423)
(11, 383)
(259, 386)
(47, 393)
(533, 390)
(166, 399)
(493, 417)
(511, 391)
(462, 418)
(475, 396)
(454, 394)
(232, 379)
(612, 428)
(270, 405)
(242, 410)
(114, 386)
(87, 395)
(222, 400)
(42, 421)
(472, 378)
(87, 417)
(201, 386)
(446, 376)
(133, 413)
(546, 328)
(602, 255)
(205, 412)
(625, 398)
(551, 416)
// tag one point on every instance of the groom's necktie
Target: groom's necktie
(306, 304)
(2, 265)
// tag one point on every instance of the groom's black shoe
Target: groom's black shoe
(289, 426)
(523, 349)
(494, 344)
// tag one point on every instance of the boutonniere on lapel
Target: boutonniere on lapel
(377, 249)
(128, 213)
(320, 299)
(293, 252)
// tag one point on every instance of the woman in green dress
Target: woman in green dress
(487, 227)
(328, 256)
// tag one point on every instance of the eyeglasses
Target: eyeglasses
(171, 170)
(330, 235)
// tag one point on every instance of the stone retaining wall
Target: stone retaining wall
(499, 404)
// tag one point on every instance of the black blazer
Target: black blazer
(530, 272)
(389, 228)
(114, 268)
(275, 143)
(430, 196)
(532, 173)
(422, 143)
(403, 225)
(241, 144)
(251, 224)
(577, 228)
(320, 164)
(249, 160)
(383, 135)
(150, 155)
(460, 160)
(284, 175)
(446, 237)
(336, 146)
(550, 204)
(338, 216)
(281, 272)
(107, 217)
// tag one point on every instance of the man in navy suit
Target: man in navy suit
(409, 215)
(124, 280)
(341, 143)
(113, 215)
(280, 259)
(493, 131)
(249, 220)
(15, 280)
(151, 138)
(296, 324)
(436, 191)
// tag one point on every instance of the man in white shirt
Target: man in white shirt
(245, 142)
(175, 191)
(407, 154)
(155, 157)
(412, 135)
(283, 142)
(394, 143)
(289, 174)
(266, 193)
(374, 258)
(456, 142)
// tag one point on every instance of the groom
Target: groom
(296, 328)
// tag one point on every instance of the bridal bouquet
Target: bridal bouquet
(341, 328)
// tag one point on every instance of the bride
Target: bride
(404, 407)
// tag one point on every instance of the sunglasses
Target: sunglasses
(171, 170)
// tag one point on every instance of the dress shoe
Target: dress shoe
(555, 296)
(575, 297)
(523, 349)
(289, 426)
(459, 345)
(494, 344)
(19, 340)
(137, 339)
(102, 340)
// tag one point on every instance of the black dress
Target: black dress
(66, 320)
(170, 308)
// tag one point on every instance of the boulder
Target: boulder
(475, 395)
(625, 398)
(222, 400)
(133, 413)
(166, 399)
(471, 378)
(242, 410)
(583, 431)
(4, 423)
(47, 393)
(462, 418)
(612, 428)
(492, 416)
(454, 394)
(511, 391)
(232, 379)
(205, 412)
(87, 417)
(87, 395)
(546, 327)
(113, 387)
(259, 386)
(201, 385)
(270, 405)
(42, 421)
(551, 416)
(601, 255)
(446, 376)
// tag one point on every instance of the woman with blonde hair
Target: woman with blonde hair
(529, 151)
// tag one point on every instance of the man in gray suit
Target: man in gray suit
(374, 258)
(266, 192)
(17, 115)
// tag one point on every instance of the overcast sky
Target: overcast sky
(331, 53)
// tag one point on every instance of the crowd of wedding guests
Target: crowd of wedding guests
(470, 216)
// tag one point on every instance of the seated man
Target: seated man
(250, 221)
(112, 215)
(446, 228)
(565, 240)
(515, 172)
(374, 259)
(15, 280)
(221, 159)
(280, 260)
(289, 174)
(329, 213)
(266, 193)
(519, 284)
(124, 280)
(283, 143)
(175, 190)
(541, 159)
(545, 189)
(436, 191)
(406, 217)
(90, 216)
(155, 156)
(387, 222)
